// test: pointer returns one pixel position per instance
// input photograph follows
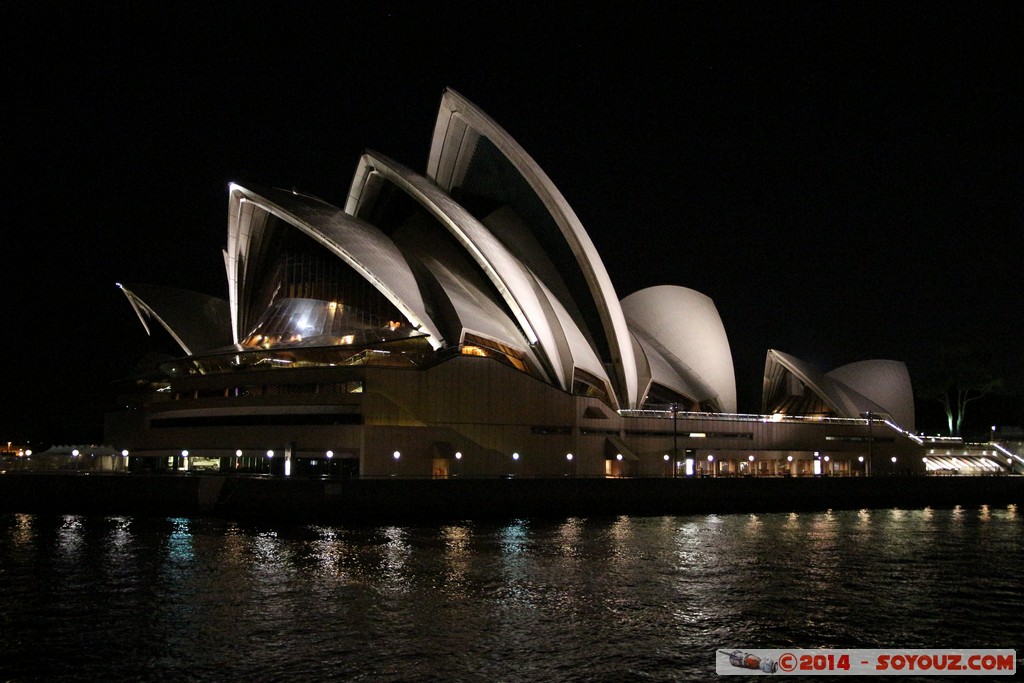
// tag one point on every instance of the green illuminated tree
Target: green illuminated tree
(958, 376)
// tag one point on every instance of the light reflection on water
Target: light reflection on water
(578, 599)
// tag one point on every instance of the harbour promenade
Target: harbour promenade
(393, 499)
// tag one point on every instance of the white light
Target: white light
(697, 435)
(287, 467)
(816, 454)
(789, 458)
(238, 453)
(711, 458)
(777, 417)
(184, 454)
(827, 458)
(74, 453)
(270, 454)
(329, 454)
(568, 456)
(894, 458)
(666, 457)
(817, 467)
(750, 458)
(618, 456)
(458, 455)
(860, 459)
(396, 455)
(515, 456)
(689, 467)
(28, 453)
(124, 452)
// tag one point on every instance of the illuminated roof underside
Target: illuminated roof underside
(360, 245)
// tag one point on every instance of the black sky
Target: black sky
(842, 179)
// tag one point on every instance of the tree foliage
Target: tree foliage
(958, 376)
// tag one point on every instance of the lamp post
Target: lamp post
(675, 437)
(871, 445)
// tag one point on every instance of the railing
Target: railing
(744, 417)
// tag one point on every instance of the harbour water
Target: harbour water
(589, 599)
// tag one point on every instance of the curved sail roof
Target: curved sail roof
(360, 245)
(885, 382)
(514, 282)
(197, 322)
(685, 342)
(465, 138)
(485, 253)
(874, 386)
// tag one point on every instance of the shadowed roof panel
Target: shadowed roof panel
(198, 322)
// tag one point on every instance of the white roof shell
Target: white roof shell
(682, 335)
(875, 386)
(546, 326)
(362, 246)
(459, 126)
(885, 382)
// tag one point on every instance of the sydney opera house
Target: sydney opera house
(459, 322)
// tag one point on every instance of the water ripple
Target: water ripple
(623, 599)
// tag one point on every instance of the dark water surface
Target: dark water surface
(633, 598)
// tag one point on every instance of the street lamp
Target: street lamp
(871, 444)
(675, 437)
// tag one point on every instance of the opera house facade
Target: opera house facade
(460, 322)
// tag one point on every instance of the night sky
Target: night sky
(842, 179)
